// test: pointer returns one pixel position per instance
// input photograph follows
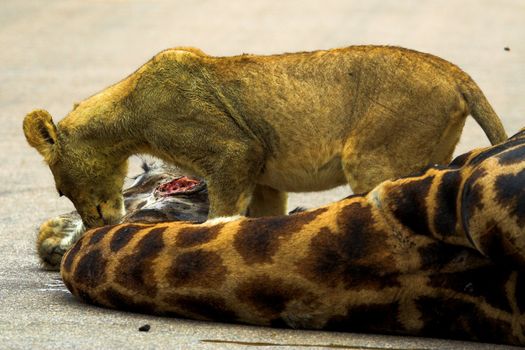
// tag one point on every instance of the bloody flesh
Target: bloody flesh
(178, 185)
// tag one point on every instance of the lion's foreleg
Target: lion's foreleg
(230, 189)
(228, 199)
(267, 201)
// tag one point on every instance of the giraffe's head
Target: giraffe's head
(83, 172)
(164, 193)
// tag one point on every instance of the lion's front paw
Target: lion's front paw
(55, 237)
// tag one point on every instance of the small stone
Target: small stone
(506, 48)
(144, 328)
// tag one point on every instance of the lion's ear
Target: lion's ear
(41, 132)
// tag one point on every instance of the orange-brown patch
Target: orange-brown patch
(258, 239)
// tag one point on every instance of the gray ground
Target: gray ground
(53, 53)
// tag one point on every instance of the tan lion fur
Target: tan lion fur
(256, 127)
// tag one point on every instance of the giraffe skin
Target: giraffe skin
(437, 254)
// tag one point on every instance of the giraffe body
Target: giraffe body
(439, 254)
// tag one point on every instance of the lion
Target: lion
(256, 127)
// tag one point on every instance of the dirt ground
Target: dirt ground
(54, 53)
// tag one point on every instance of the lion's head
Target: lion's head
(89, 177)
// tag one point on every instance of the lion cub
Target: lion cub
(256, 127)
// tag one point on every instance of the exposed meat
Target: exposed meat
(177, 185)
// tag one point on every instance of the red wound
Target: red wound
(178, 185)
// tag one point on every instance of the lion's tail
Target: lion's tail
(482, 111)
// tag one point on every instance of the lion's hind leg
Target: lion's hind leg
(368, 163)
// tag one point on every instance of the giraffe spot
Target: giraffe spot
(91, 269)
(121, 301)
(471, 201)
(445, 217)
(368, 318)
(478, 174)
(438, 255)
(355, 255)
(408, 204)
(135, 271)
(86, 297)
(206, 307)
(259, 239)
(460, 160)
(501, 247)
(512, 156)
(492, 151)
(510, 193)
(98, 234)
(486, 282)
(122, 236)
(198, 268)
(71, 255)
(195, 235)
(462, 320)
(266, 295)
